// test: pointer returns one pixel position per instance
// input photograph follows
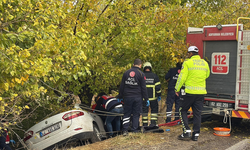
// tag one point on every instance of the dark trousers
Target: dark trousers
(116, 120)
(171, 99)
(3, 145)
(154, 112)
(132, 105)
(196, 102)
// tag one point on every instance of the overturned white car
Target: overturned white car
(64, 128)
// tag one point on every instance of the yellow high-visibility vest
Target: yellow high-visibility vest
(193, 76)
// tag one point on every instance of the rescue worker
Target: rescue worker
(193, 77)
(4, 137)
(153, 85)
(132, 91)
(172, 98)
(111, 105)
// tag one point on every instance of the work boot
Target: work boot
(153, 123)
(185, 136)
(195, 136)
(125, 133)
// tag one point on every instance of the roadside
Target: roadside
(168, 139)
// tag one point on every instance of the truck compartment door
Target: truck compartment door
(223, 57)
(243, 72)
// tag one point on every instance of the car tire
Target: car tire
(96, 134)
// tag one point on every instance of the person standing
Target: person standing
(132, 91)
(153, 85)
(172, 98)
(111, 105)
(193, 77)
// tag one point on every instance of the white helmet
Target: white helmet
(147, 64)
(193, 49)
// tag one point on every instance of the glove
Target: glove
(148, 103)
(119, 100)
(12, 141)
(159, 98)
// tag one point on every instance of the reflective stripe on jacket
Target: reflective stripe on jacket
(153, 85)
(107, 102)
(193, 76)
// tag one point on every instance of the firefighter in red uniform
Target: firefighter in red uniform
(153, 85)
(132, 91)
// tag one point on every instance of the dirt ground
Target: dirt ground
(168, 139)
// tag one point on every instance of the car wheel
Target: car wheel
(96, 134)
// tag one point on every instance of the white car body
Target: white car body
(65, 127)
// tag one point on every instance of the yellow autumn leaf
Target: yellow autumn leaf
(27, 53)
(2, 108)
(1, 98)
(6, 86)
(18, 80)
(27, 107)
(206, 129)
(9, 6)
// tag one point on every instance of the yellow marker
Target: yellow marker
(248, 47)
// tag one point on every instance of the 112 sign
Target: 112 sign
(220, 63)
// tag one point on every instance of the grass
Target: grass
(133, 140)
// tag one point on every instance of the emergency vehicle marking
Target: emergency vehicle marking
(240, 114)
(220, 63)
(132, 74)
(221, 34)
(199, 62)
(149, 80)
(131, 81)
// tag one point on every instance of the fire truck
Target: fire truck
(227, 50)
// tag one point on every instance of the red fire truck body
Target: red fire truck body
(227, 51)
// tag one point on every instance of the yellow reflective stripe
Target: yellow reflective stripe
(154, 114)
(158, 83)
(153, 118)
(197, 68)
(151, 99)
(144, 117)
(144, 121)
(152, 86)
(158, 91)
(194, 88)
